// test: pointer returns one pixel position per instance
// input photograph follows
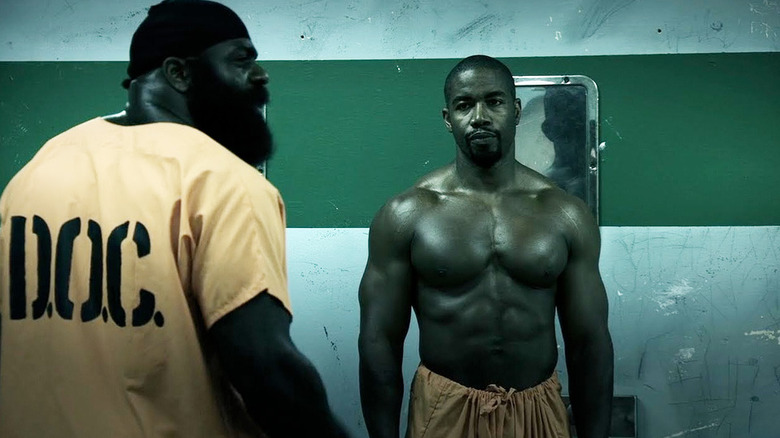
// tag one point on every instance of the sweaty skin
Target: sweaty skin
(485, 250)
(484, 307)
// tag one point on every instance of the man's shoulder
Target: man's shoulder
(402, 211)
(228, 175)
(557, 204)
(65, 142)
(87, 128)
(529, 180)
(405, 206)
(571, 214)
(436, 180)
(426, 191)
(166, 139)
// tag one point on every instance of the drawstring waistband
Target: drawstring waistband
(501, 397)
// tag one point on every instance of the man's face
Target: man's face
(227, 97)
(482, 115)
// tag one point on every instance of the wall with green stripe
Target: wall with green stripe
(690, 139)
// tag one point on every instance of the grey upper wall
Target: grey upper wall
(97, 30)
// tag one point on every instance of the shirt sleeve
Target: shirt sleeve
(238, 225)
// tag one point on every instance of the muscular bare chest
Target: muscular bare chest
(462, 240)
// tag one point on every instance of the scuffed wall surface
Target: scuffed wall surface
(96, 30)
(694, 315)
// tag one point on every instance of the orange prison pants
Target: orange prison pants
(442, 408)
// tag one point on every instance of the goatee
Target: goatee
(484, 156)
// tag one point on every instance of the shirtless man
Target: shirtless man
(485, 251)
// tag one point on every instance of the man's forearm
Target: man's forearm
(590, 368)
(381, 392)
(299, 404)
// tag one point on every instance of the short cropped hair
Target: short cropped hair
(474, 62)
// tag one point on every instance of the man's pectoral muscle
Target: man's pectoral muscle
(486, 285)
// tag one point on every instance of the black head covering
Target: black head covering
(180, 28)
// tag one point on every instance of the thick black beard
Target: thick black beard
(232, 121)
(242, 131)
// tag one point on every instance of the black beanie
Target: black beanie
(180, 28)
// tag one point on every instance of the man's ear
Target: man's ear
(518, 111)
(178, 74)
(446, 114)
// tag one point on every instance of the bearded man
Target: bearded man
(144, 286)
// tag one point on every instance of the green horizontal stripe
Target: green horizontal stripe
(690, 139)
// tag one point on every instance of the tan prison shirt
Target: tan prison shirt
(119, 247)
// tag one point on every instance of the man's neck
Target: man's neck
(495, 178)
(150, 101)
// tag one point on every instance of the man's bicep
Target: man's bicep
(388, 275)
(251, 331)
(386, 287)
(385, 300)
(582, 300)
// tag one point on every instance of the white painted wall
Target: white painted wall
(99, 30)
